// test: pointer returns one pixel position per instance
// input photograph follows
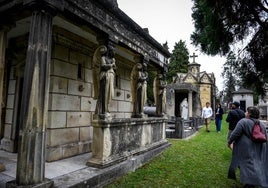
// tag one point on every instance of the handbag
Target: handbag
(257, 134)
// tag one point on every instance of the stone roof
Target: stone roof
(242, 91)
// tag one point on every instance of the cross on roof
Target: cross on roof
(193, 56)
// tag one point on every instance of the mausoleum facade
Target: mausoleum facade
(50, 66)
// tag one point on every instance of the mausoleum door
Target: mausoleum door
(243, 105)
(179, 96)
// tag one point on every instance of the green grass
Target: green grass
(201, 161)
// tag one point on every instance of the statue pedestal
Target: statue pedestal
(117, 139)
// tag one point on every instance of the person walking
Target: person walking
(249, 156)
(206, 115)
(218, 118)
(234, 116)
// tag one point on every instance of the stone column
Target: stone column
(190, 106)
(3, 34)
(34, 103)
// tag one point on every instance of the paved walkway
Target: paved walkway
(52, 169)
(73, 171)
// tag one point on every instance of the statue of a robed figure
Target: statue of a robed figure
(160, 94)
(103, 79)
(138, 89)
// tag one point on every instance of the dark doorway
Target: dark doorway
(179, 96)
(243, 105)
(17, 115)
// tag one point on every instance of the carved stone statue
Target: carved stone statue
(184, 109)
(103, 78)
(160, 94)
(138, 88)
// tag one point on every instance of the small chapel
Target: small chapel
(195, 86)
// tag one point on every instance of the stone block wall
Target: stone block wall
(8, 142)
(205, 94)
(71, 103)
(69, 130)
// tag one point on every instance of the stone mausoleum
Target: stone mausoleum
(196, 86)
(52, 57)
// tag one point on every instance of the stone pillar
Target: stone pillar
(34, 103)
(190, 106)
(3, 34)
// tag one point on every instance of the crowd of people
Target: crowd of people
(249, 156)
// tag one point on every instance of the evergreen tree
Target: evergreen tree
(178, 61)
(230, 78)
(221, 24)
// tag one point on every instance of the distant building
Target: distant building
(244, 97)
(198, 87)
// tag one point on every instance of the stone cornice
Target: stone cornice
(104, 16)
(120, 28)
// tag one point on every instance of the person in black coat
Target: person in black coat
(234, 116)
(218, 117)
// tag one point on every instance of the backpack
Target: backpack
(257, 134)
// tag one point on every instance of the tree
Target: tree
(179, 60)
(229, 76)
(219, 25)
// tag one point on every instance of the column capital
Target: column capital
(48, 5)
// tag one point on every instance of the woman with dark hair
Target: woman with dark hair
(250, 157)
(218, 117)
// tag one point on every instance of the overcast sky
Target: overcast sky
(171, 21)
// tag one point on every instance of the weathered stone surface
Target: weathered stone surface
(128, 96)
(58, 84)
(12, 87)
(78, 119)
(63, 69)
(9, 116)
(124, 106)
(60, 53)
(115, 140)
(79, 88)
(56, 119)
(76, 57)
(64, 102)
(88, 76)
(86, 133)
(7, 132)
(84, 147)
(67, 150)
(119, 94)
(53, 153)
(70, 150)
(58, 137)
(8, 144)
(125, 84)
(146, 136)
(113, 106)
(88, 104)
(10, 101)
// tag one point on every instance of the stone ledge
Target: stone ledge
(94, 178)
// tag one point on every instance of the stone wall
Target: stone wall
(205, 94)
(71, 103)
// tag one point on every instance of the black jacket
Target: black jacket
(219, 116)
(234, 116)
